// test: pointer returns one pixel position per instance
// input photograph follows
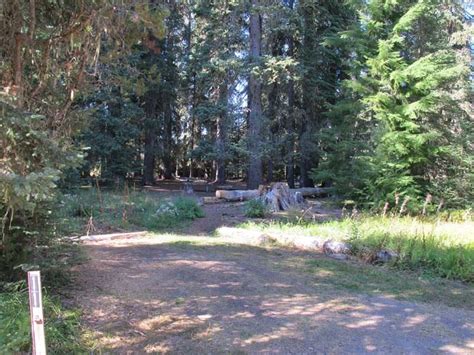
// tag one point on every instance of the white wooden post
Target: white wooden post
(36, 313)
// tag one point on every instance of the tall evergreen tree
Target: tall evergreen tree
(255, 172)
(412, 90)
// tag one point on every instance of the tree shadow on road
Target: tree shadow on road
(183, 297)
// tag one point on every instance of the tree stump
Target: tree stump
(279, 197)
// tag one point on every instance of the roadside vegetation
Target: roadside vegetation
(62, 327)
(80, 212)
(437, 246)
(88, 210)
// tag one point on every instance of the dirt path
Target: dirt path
(158, 295)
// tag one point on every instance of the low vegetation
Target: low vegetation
(433, 246)
(62, 328)
(255, 209)
(87, 211)
(80, 212)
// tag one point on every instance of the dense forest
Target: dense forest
(370, 100)
(363, 97)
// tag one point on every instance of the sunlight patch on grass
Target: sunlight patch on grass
(438, 248)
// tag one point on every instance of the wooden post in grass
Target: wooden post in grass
(36, 313)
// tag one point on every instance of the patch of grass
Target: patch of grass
(84, 210)
(62, 328)
(255, 208)
(179, 301)
(435, 247)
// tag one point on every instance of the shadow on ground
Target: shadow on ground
(183, 298)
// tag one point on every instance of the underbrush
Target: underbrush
(434, 247)
(88, 211)
(255, 208)
(62, 328)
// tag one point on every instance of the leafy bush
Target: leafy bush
(255, 208)
(156, 215)
(188, 208)
(62, 329)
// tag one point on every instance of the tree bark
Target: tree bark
(305, 180)
(310, 95)
(254, 178)
(168, 143)
(149, 159)
(169, 97)
(221, 133)
(290, 122)
(270, 170)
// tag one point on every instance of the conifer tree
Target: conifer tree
(412, 101)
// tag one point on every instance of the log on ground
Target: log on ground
(244, 195)
(237, 195)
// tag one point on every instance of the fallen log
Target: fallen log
(237, 195)
(312, 191)
(244, 195)
(111, 236)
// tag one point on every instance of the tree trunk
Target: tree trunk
(14, 10)
(149, 159)
(193, 128)
(270, 170)
(171, 79)
(192, 101)
(167, 144)
(305, 180)
(244, 195)
(290, 122)
(254, 178)
(221, 133)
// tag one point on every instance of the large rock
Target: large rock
(336, 247)
(385, 255)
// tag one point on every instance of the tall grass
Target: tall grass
(62, 328)
(434, 247)
(85, 211)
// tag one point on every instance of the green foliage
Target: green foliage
(188, 208)
(409, 131)
(255, 208)
(62, 327)
(111, 135)
(89, 211)
(30, 166)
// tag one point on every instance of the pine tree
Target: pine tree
(411, 117)
(416, 72)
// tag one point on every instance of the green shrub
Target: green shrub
(62, 328)
(125, 210)
(188, 208)
(255, 208)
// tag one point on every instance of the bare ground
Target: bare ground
(163, 294)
